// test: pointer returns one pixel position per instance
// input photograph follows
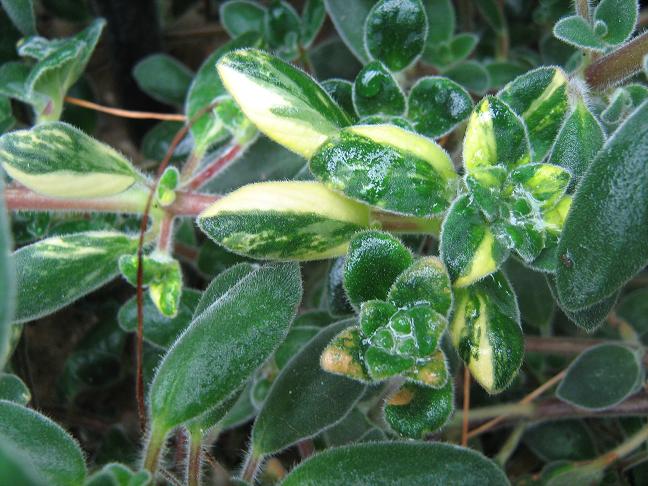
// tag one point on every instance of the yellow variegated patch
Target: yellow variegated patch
(480, 148)
(555, 218)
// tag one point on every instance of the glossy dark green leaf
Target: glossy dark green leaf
(21, 12)
(471, 75)
(392, 463)
(341, 91)
(601, 377)
(348, 19)
(159, 330)
(282, 27)
(395, 32)
(313, 17)
(469, 248)
(206, 88)
(374, 261)
(388, 167)
(415, 410)
(376, 91)
(578, 142)
(540, 98)
(240, 16)
(602, 244)
(561, 440)
(48, 449)
(87, 260)
(576, 31)
(228, 341)
(436, 105)
(293, 409)
(14, 389)
(163, 78)
(619, 18)
(441, 21)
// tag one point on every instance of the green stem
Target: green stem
(154, 447)
(195, 457)
(583, 9)
(510, 445)
(623, 449)
(251, 466)
(618, 65)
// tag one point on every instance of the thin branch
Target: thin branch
(213, 168)
(618, 65)
(139, 115)
(166, 233)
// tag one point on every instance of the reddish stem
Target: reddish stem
(192, 204)
(166, 233)
(213, 168)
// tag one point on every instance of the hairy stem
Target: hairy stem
(510, 445)
(251, 466)
(154, 448)
(166, 233)
(195, 458)
(213, 168)
(582, 8)
(618, 65)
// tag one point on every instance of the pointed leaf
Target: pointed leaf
(376, 91)
(576, 31)
(395, 32)
(293, 409)
(57, 159)
(40, 266)
(225, 344)
(486, 332)
(391, 463)
(282, 101)
(469, 248)
(50, 451)
(603, 241)
(374, 261)
(540, 98)
(388, 167)
(495, 136)
(284, 220)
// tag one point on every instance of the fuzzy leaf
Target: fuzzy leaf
(540, 98)
(619, 18)
(441, 21)
(52, 454)
(341, 91)
(224, 344)
(415, 411)
(576, 31)
(348, 17)
(469, 248)
(21, 13)
(388, 167)
(376, 92)
(545, 183)
(293, 409)
(282, 28)
(437, 105)
(163, 78)
(470, 74)
(284, 220)
(395, 32)
(343, 355)
(283, 102)
(601, 377)
(13, 389)
(57, 159)
(86, 260)
(485, 330)
(603, 241)
(7, 283)
(391, 463)
(313, 18)
(240, 16)
(374, 261)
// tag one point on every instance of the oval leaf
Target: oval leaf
(619, 18)
(163, 78)
(241, 16)
(376, 92)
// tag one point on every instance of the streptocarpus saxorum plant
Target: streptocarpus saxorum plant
(412, 188)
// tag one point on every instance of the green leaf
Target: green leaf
(348, 17)
(293, 409)
(533, 294)
(337, 301)
(331, 59)
(343, 356)
(7, 120)
(157, 141)
(540, 98)
(313, 17)
(115, 474)
(619, 18)
(495, 135)
(224, 344)
(425, 281)
(57, 159)
(206, 88)
(545, 183)
(376, 91)
(50, 451)
(374, 261)
(493, 13)
(159, 330)
(578, 142)
(14, 465)
(167, 184)
(603, 241)
(562, 473)
(282, 27)
(395, 32)
(221, 284)
(341, 91)
(502, 72)
(441, 21)
(387, 167)
(469, 248)
(391, 463)
(633, 309)
(240, 16)
(416, 411)
(601, 377)
(163, 78)
(437, 105)
(282, 101)
(295, 341)
(86, 260)
(485, 330)
(7, 283)
(284, 220)
(13, 389)
(576, 31)
(21, 13)
(471, 75)
(561, 440)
